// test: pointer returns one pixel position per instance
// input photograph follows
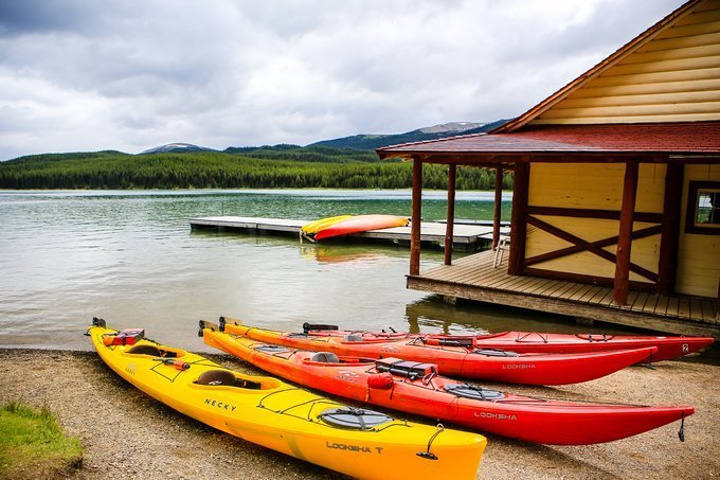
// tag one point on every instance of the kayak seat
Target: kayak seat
(325, 357)
(151, 350)
(217, 378)
(352, 338)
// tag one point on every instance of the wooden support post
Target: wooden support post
(518, 225)
(450, 215)
(498, 206)
(416, 216)
(670, 236)
(627, 212)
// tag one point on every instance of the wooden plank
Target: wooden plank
(651, 304)
(529, 283)
(554, 289)
(708, 313)
(589, 294)
(581, 292)
(639, 303)
(696, 312)
(632, 295)
(604, 297)
(541, 288)
(662, 305)
(672, 307)
(684, 308)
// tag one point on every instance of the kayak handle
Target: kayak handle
(681, 432)
(427, 454)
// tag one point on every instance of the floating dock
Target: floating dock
(473, 237)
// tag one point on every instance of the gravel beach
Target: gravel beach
(130, 435)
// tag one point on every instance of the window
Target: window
(703, 210)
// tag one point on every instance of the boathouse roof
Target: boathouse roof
(620, 140)
(660, 93)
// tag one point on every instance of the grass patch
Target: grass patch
(32, 444)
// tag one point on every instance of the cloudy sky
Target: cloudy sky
(82, 75)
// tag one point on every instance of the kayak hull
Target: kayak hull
(514, 416)
(527, 369)
(360, 223)
(310, 229)
(669, 347)
(523, 342)
(276, 415)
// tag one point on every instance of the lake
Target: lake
(130, 257)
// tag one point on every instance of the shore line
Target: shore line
(128, 432)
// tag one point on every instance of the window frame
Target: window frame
(694, 189)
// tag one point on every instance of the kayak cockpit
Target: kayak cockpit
(329, 358)
(226, 378)
(155, 351)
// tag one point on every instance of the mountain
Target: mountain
(177, 148)
(371, 142)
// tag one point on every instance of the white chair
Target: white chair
(500, 250)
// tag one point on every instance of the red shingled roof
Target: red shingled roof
(663, 138)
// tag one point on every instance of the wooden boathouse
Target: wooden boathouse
(616, 205)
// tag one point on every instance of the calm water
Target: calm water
(131, 258)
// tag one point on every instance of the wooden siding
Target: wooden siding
(592, 186)
(699, 255)
(673, 77)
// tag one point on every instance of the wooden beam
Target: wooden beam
(594, 247)
(498, 206)
(648, 217)
(450, 214)
(416, 217)
(622, 264)
(670, 236)
(518, 223)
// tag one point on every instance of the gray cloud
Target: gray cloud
(88, 75)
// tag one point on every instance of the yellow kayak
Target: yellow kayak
(263, 410)
(312, 228)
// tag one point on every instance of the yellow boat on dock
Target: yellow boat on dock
(355, 441)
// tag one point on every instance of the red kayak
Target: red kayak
(417, 388)
(533, 342)
(361, 223)
(493, 365)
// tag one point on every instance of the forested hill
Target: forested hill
(282, 166)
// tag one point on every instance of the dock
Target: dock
(466, 237)
(478, 277)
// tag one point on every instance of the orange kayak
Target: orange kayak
(467, 362)
(361, 223)
(419, 389)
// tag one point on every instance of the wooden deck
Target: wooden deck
(473, 277)
(465, 237)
